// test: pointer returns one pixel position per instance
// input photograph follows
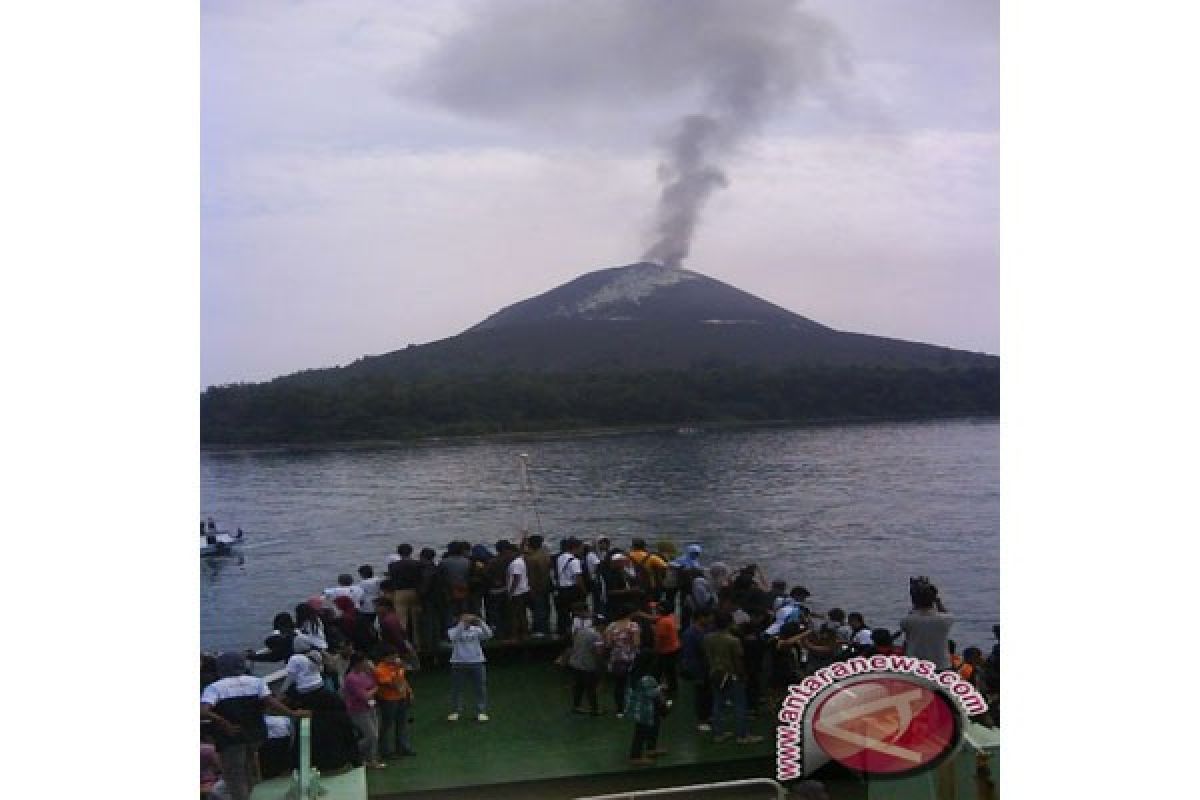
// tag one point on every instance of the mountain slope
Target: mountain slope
(645, 316)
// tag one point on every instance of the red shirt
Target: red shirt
(666, 635)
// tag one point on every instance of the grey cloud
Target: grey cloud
(719, 68)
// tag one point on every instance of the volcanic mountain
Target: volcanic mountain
(645, 317)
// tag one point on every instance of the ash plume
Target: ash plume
(718, 69)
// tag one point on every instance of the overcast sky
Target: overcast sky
(376, 173)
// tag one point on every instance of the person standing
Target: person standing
(695, 668)
(432, 595)
(568, 584)
(369, 583)
(468, 663)
(497, 597)
(727, 674)
(235, 704)
(456, 573)
(651, 569)
(622, 640)
(345, 588)
(395, 698)
(517, 577)
(404, 574)
(646, 706)
(584, 662)
(359, 690)
(538, 567)
(927, 626)
(666, 648)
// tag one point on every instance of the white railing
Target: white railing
(780, 792)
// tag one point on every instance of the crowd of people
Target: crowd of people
(642, 621)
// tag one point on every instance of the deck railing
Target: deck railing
(780, 792)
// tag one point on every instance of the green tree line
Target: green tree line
(380, 407)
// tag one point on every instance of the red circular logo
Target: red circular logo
(886, 726)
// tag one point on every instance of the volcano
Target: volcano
(637, 345)
(645, 316)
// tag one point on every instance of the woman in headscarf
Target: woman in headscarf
(334, 743)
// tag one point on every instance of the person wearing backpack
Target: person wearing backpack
(568, 584)
(622, 641)
(651, 570)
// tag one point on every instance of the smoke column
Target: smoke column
(718, 68)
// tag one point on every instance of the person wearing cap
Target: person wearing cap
(234, 704)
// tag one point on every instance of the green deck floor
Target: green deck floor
(533, 736)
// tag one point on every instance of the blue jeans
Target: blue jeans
(477, 675)
(735, 690)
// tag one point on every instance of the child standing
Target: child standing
(645, 704)
(394, 696)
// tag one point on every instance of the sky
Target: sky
(378, 174)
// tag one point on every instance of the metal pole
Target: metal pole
(527, 487)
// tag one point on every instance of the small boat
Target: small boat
(214, 542)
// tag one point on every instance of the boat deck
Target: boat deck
(535, 747)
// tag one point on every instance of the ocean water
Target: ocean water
(850, 511)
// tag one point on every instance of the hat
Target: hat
(693, 550)
(230, 664)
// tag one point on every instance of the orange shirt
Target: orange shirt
(966, 671)
(666, 635)
(393, 685)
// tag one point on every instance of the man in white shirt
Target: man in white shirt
(345, 588)
(518, 594)
(369, 584)
(568, 582)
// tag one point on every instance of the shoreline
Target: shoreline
(694, 427)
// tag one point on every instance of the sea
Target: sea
(850, 511)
